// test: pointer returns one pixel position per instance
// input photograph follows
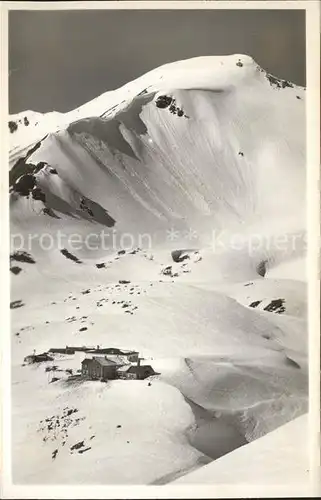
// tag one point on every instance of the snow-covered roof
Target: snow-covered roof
(133, 368)
(101, 360)
(124, 368)
(118, 359)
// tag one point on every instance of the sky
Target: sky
(59, 60)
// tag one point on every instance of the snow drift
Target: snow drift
(195, 175)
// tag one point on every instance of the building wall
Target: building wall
(92, 369)
(109, 372)
(144, 372)
(95, 369)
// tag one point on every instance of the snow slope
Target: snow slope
(281, 458)
(195, 175)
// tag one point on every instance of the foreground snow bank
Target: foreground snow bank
(121, 432)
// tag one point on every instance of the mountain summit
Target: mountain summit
(207, 143)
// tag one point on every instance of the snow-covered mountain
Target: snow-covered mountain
(195, 176)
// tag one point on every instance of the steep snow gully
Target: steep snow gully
(167, 216)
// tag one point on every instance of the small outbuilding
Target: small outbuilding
(37, 358)
(135, 372)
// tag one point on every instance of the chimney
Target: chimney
(138, 361)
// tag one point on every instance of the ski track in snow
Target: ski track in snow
(191, 154)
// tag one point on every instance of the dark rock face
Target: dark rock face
(23, 180)
(100, 266)
(25, 185)
(84, 450)
(50, 212)
(175, 110)
(38, 194)
(70, 256)
(16, 303)
(15, 270)
(168, 271)
(12, 126)
(163, 101)
(180, 255)
(261, 268)
(278, 83)
(92, 210)
(276, 306)
(239, 64)
(21, 256)
(85, 208)
(54, 379)
(255, 303)
(77, 445)
(26, 121)
(21, 167)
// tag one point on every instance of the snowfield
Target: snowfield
(195, 176)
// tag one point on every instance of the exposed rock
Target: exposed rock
(15, 269)
(255, 303)
(24, 185)
(12, 126)
(50, 212)
(261, 268)
(70, 256)
(16, 303)
(278, 83)
(84, 207)
(86, 449)
(38, 194)
(163, 101)
(276, 306)
(78, 445)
